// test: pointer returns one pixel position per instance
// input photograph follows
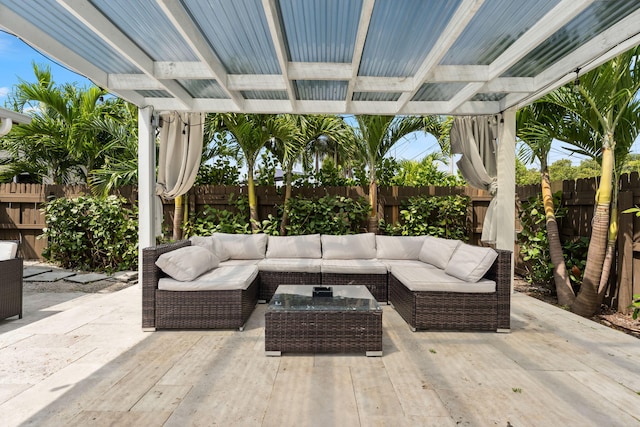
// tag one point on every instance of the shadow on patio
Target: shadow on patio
(91, 364)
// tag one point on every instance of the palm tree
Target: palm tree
(604, 110)
(300, 133)
(59, 143)
(250, 132)
(373, 137)
(537, 126)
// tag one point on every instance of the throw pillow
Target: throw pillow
(185, 264)
(470, 263)
(8, 250)
(437, 251)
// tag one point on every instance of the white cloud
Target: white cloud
(4, 91)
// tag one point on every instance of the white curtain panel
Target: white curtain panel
(475, 138)
(179, 157)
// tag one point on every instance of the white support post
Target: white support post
(146, 183)
(506, 211)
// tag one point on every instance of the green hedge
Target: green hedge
(91, 233)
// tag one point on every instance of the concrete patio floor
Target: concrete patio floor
(82, 359)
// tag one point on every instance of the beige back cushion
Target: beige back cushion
(399, 247)
(242, 246)
(437, 251)
(470, 263)
(306, 246)
(351, 246)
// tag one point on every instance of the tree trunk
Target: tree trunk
(253, 204)
(564, 290)
(177, 218)
(373, 200)
(587, 302)
(285, 209)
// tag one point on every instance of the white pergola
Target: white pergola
(8, 118)
(392, 57)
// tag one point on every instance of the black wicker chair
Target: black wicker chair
(11, 288)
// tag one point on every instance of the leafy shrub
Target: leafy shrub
(221, 172)
(327, 215)
(91, 233)
(534, 245)
(211, 220)
(440, 216)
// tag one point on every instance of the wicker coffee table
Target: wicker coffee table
(348, 322)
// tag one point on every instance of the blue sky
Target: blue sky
(17, 58)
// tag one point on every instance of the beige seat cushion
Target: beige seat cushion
(220, 279)
(433, 279)
(353, 266)
(239, 262)
(293, 265)
(403, 263)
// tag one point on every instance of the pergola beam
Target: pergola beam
(86, 13)
(358, 49)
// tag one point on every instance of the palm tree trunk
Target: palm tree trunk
(587, 301)
(285, 209)
(373, 199)
(253, 204)
(177, 218)
(564, 290)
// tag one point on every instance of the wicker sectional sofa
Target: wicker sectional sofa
(216, 281)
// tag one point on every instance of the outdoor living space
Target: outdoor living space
(81, 359)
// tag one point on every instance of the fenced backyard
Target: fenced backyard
(21, 217)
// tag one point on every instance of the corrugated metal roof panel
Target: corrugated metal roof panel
(264, 94)
(320, 30)
(437, 91)
(326, 90)
(203, 89)
(154, 93)
(238, 32)
(588, 24)
(493, 29)
(155, 35)
(63, 27)
(376, 96)
(494, 96)
(392, 53)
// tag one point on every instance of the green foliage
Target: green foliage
(636, 306)
(221, 172)
(526, 176)
(211, 220)
(267, 170)
(411, 173)
(327, 215)
(534, 244)
(440, 216)
(91, 233)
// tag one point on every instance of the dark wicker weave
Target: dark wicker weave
(376, 283)
(190, 309)
(270, 280)
(11, 288)
(322, 332)
(458, 311)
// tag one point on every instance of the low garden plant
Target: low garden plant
(440, 216)
(91, 233)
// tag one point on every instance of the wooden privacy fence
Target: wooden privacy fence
(21, 216)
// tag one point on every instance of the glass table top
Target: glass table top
(345, 298)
